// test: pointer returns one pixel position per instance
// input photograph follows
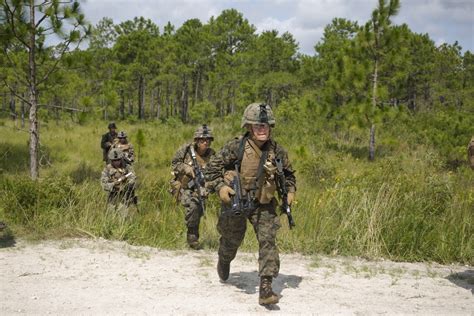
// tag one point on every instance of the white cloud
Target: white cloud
(446, 20)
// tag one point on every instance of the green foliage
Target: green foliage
(202, 112)
(414, 203)
(404, 206)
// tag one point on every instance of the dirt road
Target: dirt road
(82, 276)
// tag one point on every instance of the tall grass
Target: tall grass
(407, 205)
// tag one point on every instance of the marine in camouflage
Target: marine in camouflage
(184, 176)
(264, 218)
(187, 196)
(108, 140)
(255, 161)
(122, 143)
(119, 181)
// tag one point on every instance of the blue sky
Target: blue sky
(444, 20)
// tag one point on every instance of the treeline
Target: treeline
(202, 70)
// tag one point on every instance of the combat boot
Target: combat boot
(192, 237)
(223, 269)
(267, 296)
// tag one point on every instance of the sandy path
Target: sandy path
(101, 277)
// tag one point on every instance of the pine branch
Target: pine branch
(11, 22)
(13, 65)
(15, 93)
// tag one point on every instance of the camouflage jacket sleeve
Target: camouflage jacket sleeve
(220, 162)
(290, 178)
(132, 179)
(131, 153)
(105, 142)
(106, 181)
(177, 164)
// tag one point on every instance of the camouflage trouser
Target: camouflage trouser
(265, 223)
(120, 201)
(192, 208)
(125, 196)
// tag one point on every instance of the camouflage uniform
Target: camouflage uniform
(188, 197)
(119, 182)
(186, 194)
(126, 148)
(470, 153)
(107, 141)
(258, 183)
(263, 217)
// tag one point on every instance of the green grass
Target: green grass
(407, 205)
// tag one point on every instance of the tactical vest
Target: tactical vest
(202, 161)
(257, 171)
(116, 173)
(181, 180)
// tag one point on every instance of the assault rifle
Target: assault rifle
(283, 192)
(122, 178)
(199, 181)
(239, 203)
(236, 201)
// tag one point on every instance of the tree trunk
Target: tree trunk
(168, 103)
(184, 100)
(56, 108)
(23, 110)
(158, 103)
(374, 105)
(106, 115)
(372, 143)
(152, 102)
(130, 106)
(232, 99)
(196, 87)
(141, 98)
(122, 105)
(34, 130)
(13, 106)
(4, 102)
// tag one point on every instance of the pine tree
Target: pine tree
(26, 26)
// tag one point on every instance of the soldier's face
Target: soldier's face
(261, 132)
(122, 140)
(112, 130)
(203, 144)
(116, 163)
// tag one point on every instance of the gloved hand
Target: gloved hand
(188, 170)
(225, 194)
(204, 192)
(291, 197)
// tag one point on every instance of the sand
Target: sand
(100, 277)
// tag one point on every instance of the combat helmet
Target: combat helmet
(122, 134)
(257, 113)
(115, 154)
(112, 125)
(203, 132)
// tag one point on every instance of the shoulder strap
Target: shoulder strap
(240, 153)
(188, 150)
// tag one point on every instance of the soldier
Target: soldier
(470, 153)
(118, 179)
(108, 140)
(253, 156)
(122, 143)
(187, 180)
